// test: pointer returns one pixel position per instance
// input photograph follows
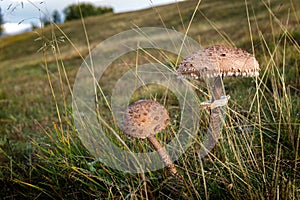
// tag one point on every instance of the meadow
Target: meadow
(257, 157)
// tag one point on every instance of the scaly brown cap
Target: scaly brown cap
(219, 60)
(144, 118)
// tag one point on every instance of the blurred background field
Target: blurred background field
(258, 153)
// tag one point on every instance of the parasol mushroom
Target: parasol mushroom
(212, 64)
(144, 119)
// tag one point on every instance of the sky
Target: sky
(20, 14)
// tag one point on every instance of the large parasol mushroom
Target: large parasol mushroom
(144, 119)
(212, 64)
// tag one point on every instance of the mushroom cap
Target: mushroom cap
(219, 60)
(144, 118)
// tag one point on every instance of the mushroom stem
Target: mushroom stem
(163, 155)
(216, 87)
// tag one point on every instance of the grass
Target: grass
(257, 156)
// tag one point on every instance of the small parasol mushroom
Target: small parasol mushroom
(212, 64)
(144, 119)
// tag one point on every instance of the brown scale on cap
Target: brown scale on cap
(219, 60)
(145, 118)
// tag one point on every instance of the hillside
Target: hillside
(35, 100)
(22, 63)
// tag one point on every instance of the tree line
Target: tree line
(77, 11)
(84, 10)
(72, 12)
(1, 22)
